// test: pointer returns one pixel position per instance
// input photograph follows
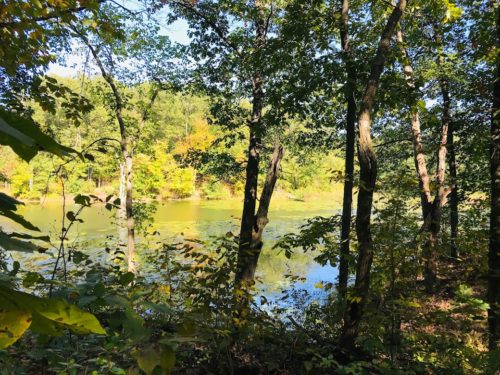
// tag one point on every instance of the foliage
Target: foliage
(265, 72)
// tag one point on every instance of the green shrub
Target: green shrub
(215, 190)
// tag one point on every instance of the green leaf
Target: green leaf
(70, 215)
(133, 325)
(45, 326)
(26, 236)
(126, 278)
(187, 327)
(87, 300)
(152, 357)
(7, 207)
(83, 200)
(9, 203)
(25, 137)
(31, 278)
(114, 300)
(13, 244)
(89, 157)
(18, 219)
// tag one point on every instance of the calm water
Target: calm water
(180, 220)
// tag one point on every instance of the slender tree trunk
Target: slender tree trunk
(248, 241)
(367, 180)
(126, 155)
(452, 164)
(122, 216)
(416, 132)
(349, 151)
(121, 189)
(131, 260)
(494, 249)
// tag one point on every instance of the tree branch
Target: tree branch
(109, 79)
(216, 28)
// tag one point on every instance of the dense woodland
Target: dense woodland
(390, 107)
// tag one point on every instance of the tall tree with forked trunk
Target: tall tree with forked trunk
(367, 180)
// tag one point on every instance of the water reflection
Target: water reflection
(176, 221)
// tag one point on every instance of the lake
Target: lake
(179, 220)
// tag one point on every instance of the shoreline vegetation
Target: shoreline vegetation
(334, 196)
(242, 187)
(174, 159)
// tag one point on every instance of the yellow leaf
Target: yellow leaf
(12, 326)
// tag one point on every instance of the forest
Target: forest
(249, 187)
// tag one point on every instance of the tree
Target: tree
(494, 249)
(367, 180)
(350, 127)
(431, 209)
(109, 52)
(442, 72)
(233, 37)
(432, 222)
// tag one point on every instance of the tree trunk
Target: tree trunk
(453, 194)
(247, 260)
(126, 155)
(494, 249)
(131, 261)
(434, 217)
(249, 204)
(246, 249)
(121, 190)
(416, 132)
(122, 216)
(349, 150)
(367, 179)
(431, 208)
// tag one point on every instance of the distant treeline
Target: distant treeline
(177, 156)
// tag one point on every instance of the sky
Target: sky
(73, 63)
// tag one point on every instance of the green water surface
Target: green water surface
(179, 220)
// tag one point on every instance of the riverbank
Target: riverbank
(334, 194)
